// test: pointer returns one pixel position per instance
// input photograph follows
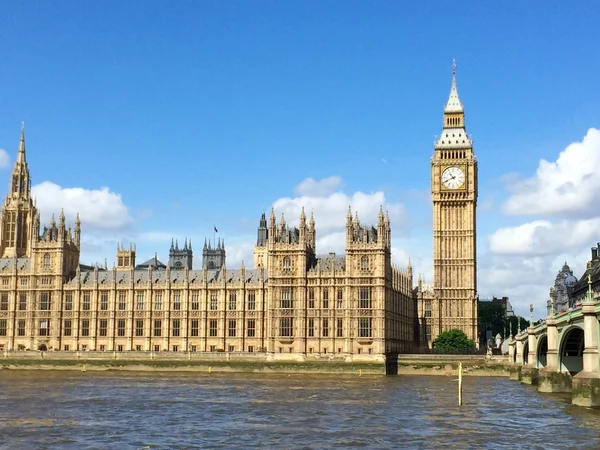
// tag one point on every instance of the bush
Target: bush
(454, 341)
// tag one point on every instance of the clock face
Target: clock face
(453, 177)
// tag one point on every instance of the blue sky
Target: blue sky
(200, 113)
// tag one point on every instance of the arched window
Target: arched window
(364, 263)
(46, 261)
(286, 263)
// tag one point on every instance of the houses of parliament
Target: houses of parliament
(291, 304)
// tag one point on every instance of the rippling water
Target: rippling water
(74, 410)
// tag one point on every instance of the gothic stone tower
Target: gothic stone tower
(18, 211)
(213, 258)
(180, 258)
(260, 249)
(454, 195)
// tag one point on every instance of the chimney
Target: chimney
(594, 253)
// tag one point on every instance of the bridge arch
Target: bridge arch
(542, 351)
(525, 352)
(572, 344)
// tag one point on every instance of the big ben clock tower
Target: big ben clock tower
(454, 195)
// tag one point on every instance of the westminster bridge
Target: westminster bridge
(561, 354)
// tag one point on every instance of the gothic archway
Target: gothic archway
(542, 351)
(570, 357)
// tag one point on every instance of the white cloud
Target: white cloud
(330, 208)
(324, 187)
(98, 209)
(570, 185)
(4, 159)
(562, 200)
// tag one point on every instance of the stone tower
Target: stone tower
(180, 258)
(18, 210)
(454, 195)
(260, 249)
(213, 258)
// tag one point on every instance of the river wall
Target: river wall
(445, 365)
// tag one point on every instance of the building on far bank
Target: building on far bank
(562, 290)
(504, 302)
(293, 304)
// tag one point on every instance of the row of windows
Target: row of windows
(86, 303)
(286, 263)
(286, 327)
(286, 302)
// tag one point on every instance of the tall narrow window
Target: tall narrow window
(4, 302)
(427, 308)
(21, 327)
(311, 327)
(44, 327)
(325, 328)
(340, 298)
(251, 328)
(122, 300)
(287, 263)
(194, 328)
(45, 302)
(195, 301)
(104, 301)
(213, 301)
(287, 298)
(364, 264)
(340, 328)
(22, 302)
(158, 301)
(232, 327)
(175, 328)
(157, 328)
(325, 298)
(67, 327)
(311, 298)
(139, 304)
(46, 262)
(121, 327)
(139, 327)
(85, 304)
(68, 301)
(364, 327)
(3, 327)
(176, 300)
(251, 300)
(212, 328)
(232, 301)
(85, 327)
(364, 299)
(286, 327)
(103, 324)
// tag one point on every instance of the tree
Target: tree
(491, 317)
(453, 341)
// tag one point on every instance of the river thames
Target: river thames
(117, 410)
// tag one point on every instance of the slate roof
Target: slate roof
(160, 276)
(9, 263)
(327, 262)
(155, 263)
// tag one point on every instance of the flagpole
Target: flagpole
(214, 238)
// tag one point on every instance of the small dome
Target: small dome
(566, 268)
(570, 280)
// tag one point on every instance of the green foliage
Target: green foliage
(454, 341)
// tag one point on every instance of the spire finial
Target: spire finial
(453, 66)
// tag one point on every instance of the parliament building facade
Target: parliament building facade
(292, 304)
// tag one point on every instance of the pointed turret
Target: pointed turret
(21, 157)
(453, 105)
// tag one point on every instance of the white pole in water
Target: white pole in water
(459, 383)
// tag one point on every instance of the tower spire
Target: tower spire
(21, 155)
(454, 104)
